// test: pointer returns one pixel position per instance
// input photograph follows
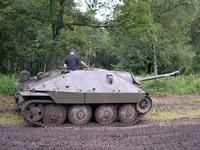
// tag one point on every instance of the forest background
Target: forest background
(140, 36)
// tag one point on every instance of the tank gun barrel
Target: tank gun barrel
(137, 80)
(175, 73)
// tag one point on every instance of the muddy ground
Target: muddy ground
(176, 134)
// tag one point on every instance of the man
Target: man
(72, 60)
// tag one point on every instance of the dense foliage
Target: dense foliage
(141, 36)
(183, 84)
(7, 86)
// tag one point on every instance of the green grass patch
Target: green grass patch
(9, 111)
(8, 104)
(165, 114)
(187, 101)
(11, 118)
(7, 84)
(173, 85)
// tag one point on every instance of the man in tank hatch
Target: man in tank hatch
(72, 61)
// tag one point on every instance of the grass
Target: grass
(8, 107)
(165, 114)
(8, 104)
(8, 111)
(11, 118)
(193, 101)
(7, 86)
(173, 85)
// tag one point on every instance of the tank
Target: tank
(82, 97)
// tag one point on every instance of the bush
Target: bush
(170, 85)
(173, 85)
(7, 86)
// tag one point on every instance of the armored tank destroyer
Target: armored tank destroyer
(83, 96)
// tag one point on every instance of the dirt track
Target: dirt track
(178, 134)
(143, 136)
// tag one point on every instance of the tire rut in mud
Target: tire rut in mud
(143, 136)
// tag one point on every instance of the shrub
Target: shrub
(179, 85)
(7, 86)
(170, 85)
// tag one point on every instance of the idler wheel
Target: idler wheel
(127, 113)
(34, 112)
(54, 114)
(79, 114)
(144, 105)
(105, 114)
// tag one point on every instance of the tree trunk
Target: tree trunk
(56, 32)
(155, 61)
(52, 60)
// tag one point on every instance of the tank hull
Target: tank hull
(60, 96)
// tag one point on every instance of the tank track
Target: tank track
(41, 124)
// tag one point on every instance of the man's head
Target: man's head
(71, 50)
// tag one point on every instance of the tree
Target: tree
(39, 30)
(132, 34)
(174, 18)
(18, 27)
(154, 32)
(195, 43)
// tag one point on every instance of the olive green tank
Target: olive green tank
(83, 96)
